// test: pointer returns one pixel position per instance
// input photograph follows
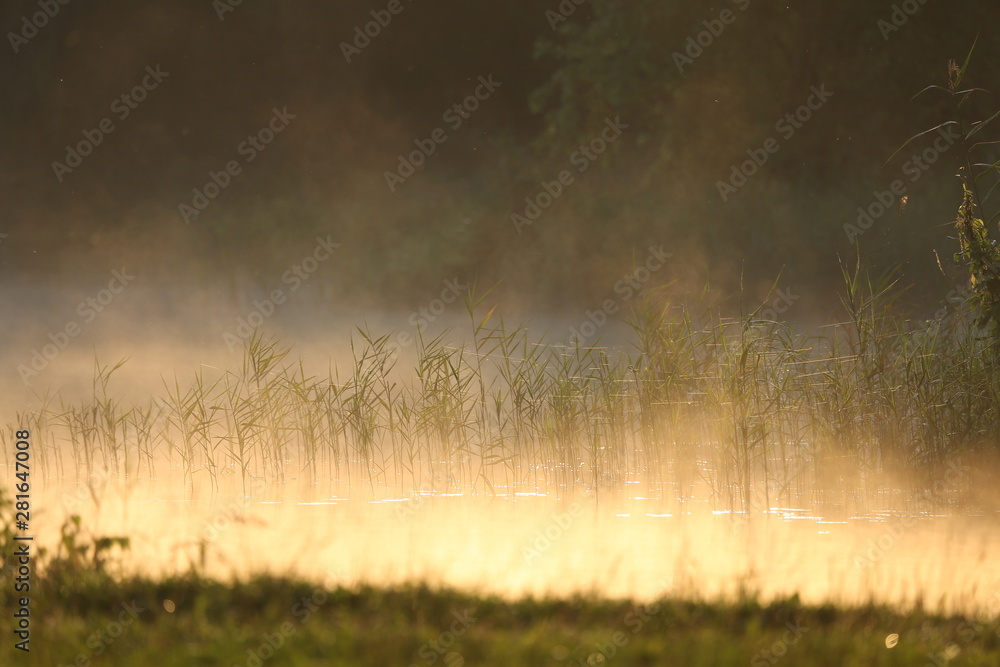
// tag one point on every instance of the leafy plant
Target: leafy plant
(79, 551)
(979, 252)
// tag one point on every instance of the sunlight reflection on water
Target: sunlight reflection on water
(530, 543)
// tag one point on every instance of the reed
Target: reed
(749, 407)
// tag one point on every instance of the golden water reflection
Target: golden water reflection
(534, 544)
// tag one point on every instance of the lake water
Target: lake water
(619, 546)
(553, 537)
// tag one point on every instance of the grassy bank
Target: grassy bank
(191, 621)
(84, 612)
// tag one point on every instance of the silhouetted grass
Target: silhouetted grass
(83, 613)
(752, 408)
(214, 623)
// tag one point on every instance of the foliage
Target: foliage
(979, 251)
(295, 622)
(79, 554)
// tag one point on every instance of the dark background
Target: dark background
(324, 175)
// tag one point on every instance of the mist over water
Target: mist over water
(637, 300)
(539, 527)
(559, 541)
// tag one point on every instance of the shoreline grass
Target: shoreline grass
(85, 612)
(189, 620)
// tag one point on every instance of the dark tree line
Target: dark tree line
(698, 85)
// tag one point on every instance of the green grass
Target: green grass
(83, 612)
(217, 624)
